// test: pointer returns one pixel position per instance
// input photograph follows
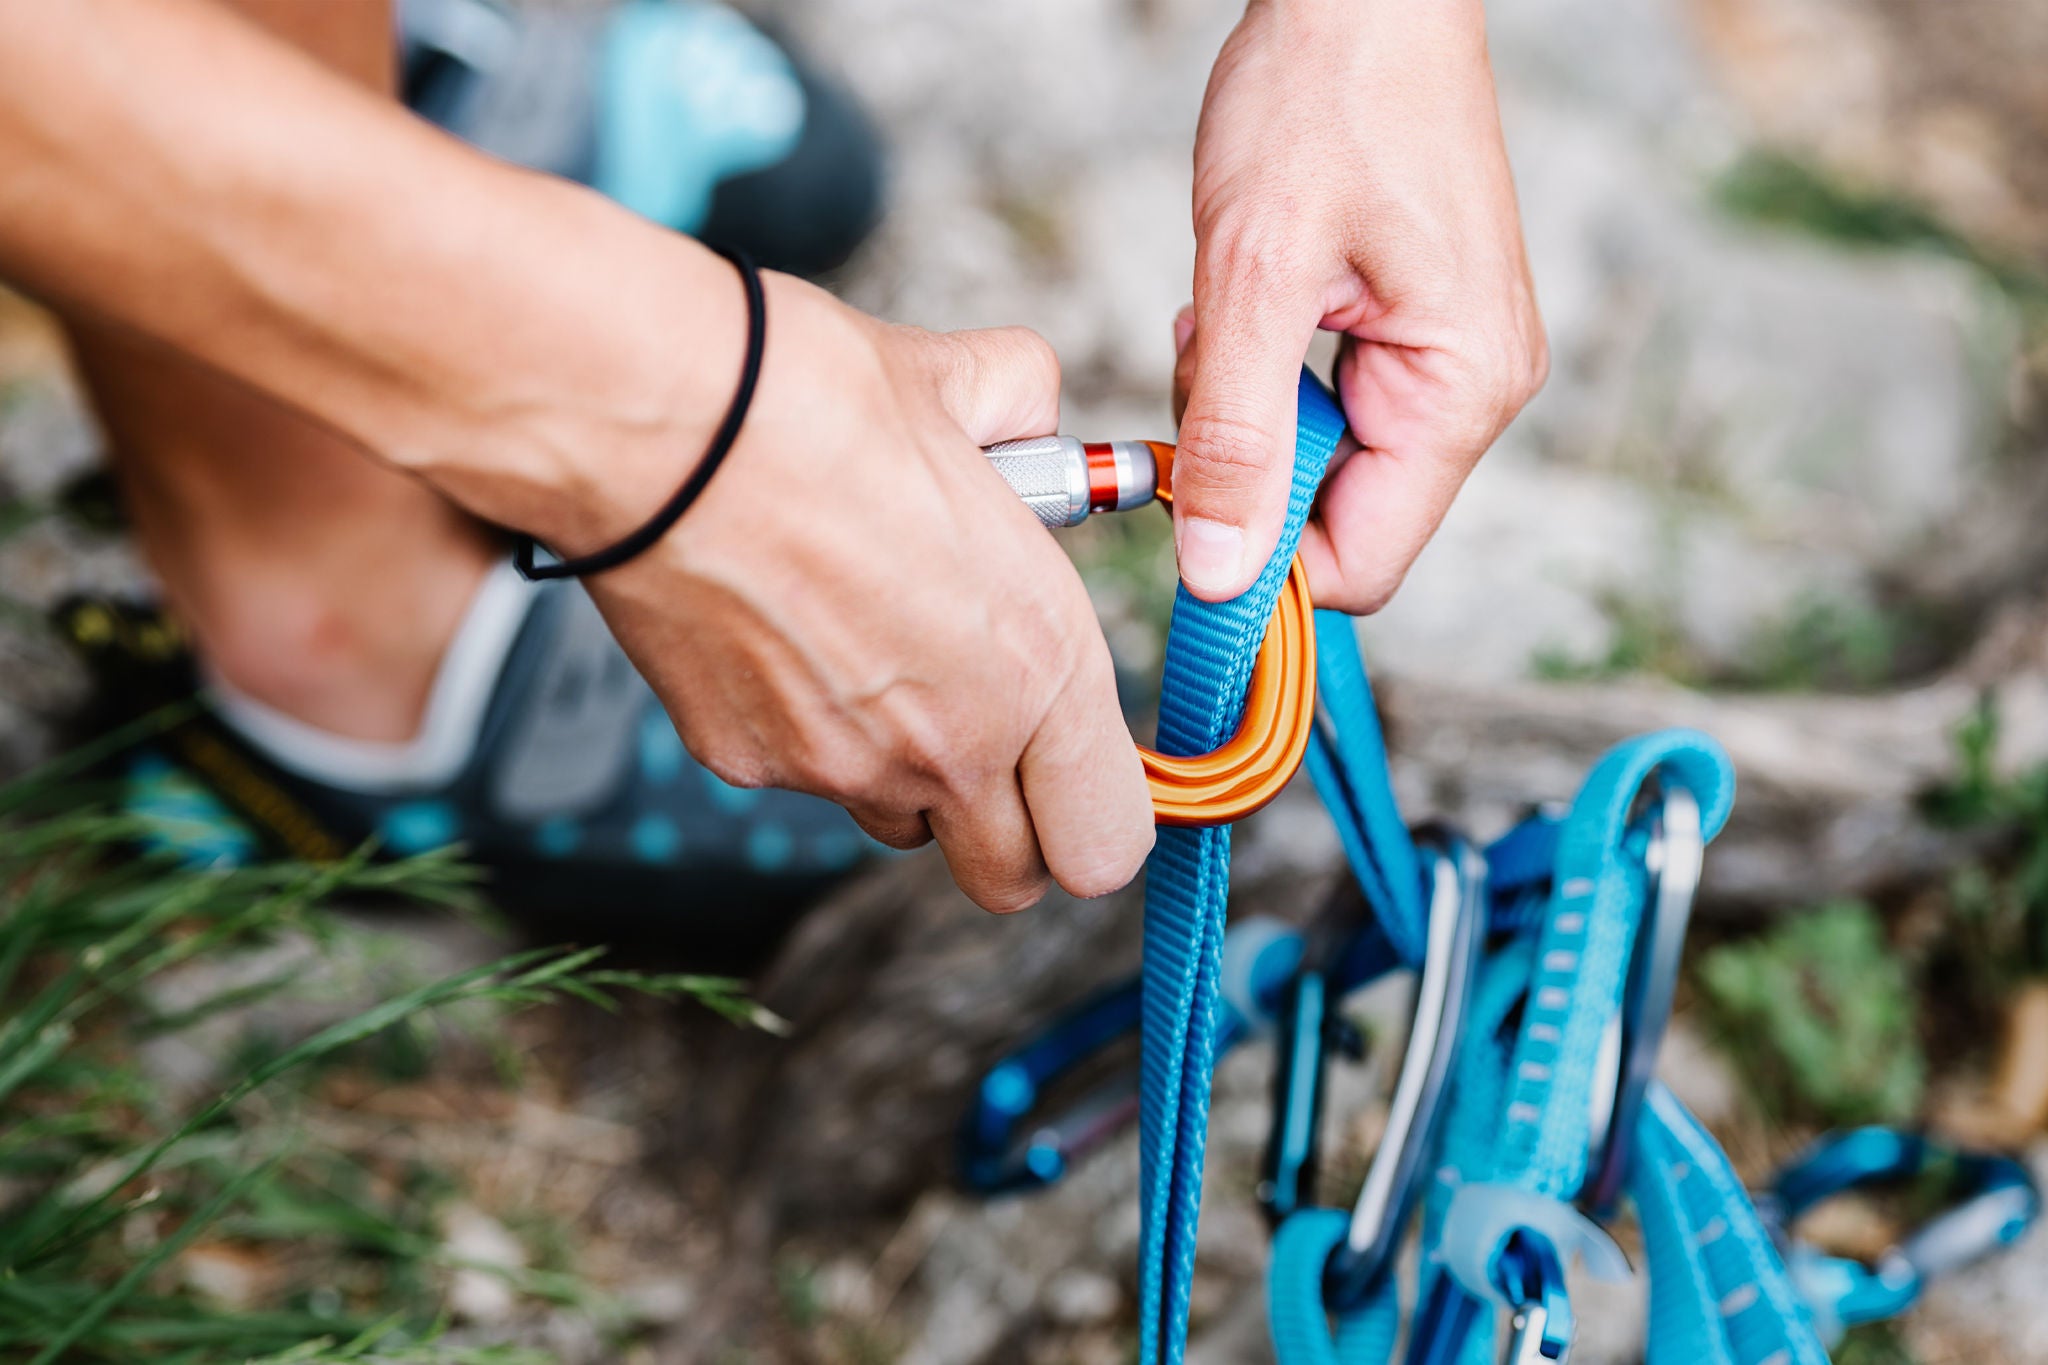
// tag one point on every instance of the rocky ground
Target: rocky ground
(1768, 457)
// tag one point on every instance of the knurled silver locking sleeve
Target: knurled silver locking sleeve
(1052, 474)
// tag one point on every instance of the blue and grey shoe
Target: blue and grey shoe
(681, 110)
(541, 752)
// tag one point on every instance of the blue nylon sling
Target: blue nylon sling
(1209, 655)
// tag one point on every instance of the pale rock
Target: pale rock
(1081, 1298)
(482, 1247)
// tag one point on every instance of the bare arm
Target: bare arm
(170, 169)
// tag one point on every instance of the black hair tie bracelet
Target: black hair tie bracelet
(728, 431)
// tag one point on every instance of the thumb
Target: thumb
(997, 382)
(1236, 449)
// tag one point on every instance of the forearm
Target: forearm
(167, 168)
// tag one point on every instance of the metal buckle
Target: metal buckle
(1997, 1202)
(1673, 858)
(1393, 1183)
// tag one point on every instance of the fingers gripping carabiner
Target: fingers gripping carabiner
(1062, 480)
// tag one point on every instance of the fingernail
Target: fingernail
(1183, 329)
(1210, 552)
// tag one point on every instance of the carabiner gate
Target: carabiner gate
(1673, 856)
(1456, 933)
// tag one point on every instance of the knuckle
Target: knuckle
(1364, 600)
(1537, 373)
(930, 753)
(838, 773)
(735, 766)
(1250, 251)
(1517, 369)
(939, 359)
(1110, 869)
(1035, 356)
(1010, 897)
(1367, 589)
(901, 833)
(1221, 447)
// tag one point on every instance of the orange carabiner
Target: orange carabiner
(1251, 767)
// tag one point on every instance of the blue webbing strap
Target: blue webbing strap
(1209, 656)
(1583, 951)
(1301, 1328)
(1521, 1098)
(1348, 761)
(1719, 1293)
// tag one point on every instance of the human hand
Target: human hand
(1349, 175)
(858, 607)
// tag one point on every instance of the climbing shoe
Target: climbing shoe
(541, 753)
(680, 110)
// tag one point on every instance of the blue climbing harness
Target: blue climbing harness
(1525, 1108)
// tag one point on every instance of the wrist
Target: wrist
(599, 355)
(1386, 25)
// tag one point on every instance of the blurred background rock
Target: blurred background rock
(1786, 483)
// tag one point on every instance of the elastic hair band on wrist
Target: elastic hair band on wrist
(728, 431)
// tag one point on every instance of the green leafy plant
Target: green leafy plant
(1876, 1343)
(1998, 898)
(108, 1179)
(1647, 638)
(1819, 644)
(1838, 646)
(1821, 1014)
(1774, 187)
